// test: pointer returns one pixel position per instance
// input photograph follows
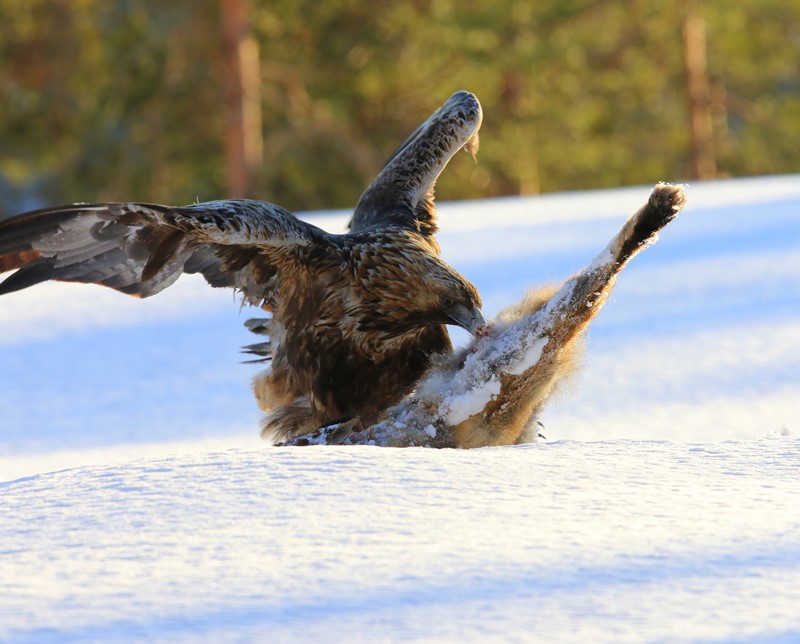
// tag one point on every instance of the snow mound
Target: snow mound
(612, 541)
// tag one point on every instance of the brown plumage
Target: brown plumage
(356, 318)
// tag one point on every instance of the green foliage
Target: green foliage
(124, 99)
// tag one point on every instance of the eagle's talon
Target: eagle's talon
(336, 432)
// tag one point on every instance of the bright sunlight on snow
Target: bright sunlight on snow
(663, 505)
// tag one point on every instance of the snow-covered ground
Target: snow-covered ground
(664, 506)
(610, 541)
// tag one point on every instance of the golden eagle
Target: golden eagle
(356, 318)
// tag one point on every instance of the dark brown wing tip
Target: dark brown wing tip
(27, 275)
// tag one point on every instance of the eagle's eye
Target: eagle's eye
(447, 301)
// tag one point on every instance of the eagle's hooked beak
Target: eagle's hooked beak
(471, 320)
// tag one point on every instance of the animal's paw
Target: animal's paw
(664, 204)
(668, 197)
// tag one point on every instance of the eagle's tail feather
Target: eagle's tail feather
(288, 421)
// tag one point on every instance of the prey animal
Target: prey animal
(355, 318)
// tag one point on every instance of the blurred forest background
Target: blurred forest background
(299, 102)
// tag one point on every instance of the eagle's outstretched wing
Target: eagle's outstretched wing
(402, 193)
(140, 249)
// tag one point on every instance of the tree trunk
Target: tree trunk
(703, 162)
(243, 137)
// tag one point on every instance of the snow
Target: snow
(138, 503)
(463, 405)
(531, 356)
(613, 541)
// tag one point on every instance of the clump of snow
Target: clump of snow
(603, 259)
(783, 432)
(532, 355)
(462, 406)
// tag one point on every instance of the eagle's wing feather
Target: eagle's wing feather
(402, 194)
(140, 249)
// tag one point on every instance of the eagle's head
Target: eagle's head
(444, 296)
(407, 287)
